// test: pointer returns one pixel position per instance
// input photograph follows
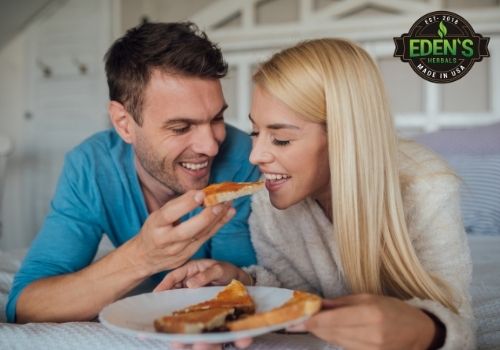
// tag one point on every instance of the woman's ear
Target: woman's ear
(121, 120)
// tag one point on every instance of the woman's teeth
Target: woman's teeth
(195, 166)
(274, 177)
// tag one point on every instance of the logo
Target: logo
(441, 47)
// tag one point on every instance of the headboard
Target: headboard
(251, 30)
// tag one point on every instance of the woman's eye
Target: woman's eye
(281, 142)
(182, 130)
(254, 133)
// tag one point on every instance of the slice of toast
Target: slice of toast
(226, 191)
(193, 322)
(234, 295)
(300, 304)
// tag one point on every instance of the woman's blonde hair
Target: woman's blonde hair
(335, 82)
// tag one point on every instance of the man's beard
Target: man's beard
(162, 169)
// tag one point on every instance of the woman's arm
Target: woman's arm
(440, 242)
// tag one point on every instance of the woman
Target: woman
(352, 213)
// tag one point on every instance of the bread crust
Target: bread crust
(234, 295)
(225, 191)
(299, 305)
(193, 322)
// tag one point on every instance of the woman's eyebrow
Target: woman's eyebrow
(277, 126)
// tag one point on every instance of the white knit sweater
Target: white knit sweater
(295, 248)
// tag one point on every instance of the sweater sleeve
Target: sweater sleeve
(440, 242)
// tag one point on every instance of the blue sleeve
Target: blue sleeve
(70, 235)
(232, 243)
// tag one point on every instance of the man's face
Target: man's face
(182, 129)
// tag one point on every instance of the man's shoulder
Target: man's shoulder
(100, 145)
(231, 163)
(237, 144)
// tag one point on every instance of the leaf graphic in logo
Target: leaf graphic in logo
(442, 30)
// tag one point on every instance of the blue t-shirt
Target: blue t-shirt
(99, 193)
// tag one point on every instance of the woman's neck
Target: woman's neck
(324, 200)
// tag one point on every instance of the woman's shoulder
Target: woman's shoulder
(424, 174)
(420, 161)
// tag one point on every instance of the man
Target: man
(138, 183)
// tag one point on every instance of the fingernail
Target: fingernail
(296, 328)
(217, 209)
(198, 197)
(230, 213)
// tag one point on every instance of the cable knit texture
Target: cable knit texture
(295, 247)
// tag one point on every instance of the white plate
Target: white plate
(135, 315)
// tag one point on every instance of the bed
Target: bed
(485, 290)
(473, 153)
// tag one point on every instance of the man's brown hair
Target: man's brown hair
(176, 48)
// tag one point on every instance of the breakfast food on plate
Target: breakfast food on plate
(226, 191)
(233, 309)
(300, 304)
(234, 295)
(193, 322)
(230, 302)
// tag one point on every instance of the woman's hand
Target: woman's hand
(199, 273)
(366, 321)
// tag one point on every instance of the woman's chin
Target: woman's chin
(281, 203)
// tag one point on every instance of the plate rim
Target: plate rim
(211, 338)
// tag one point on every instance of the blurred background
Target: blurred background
(53, 92)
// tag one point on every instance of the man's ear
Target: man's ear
(122, 121)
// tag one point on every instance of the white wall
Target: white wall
(128, 13)
(65, 107)
(12, 108)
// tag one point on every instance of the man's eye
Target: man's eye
(218, 119)
(181, 130)
(254, 133)
(281, 142)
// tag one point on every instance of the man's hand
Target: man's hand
(198, 273)
(164, 244)
(240, 344)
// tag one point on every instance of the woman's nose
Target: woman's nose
(260, 154)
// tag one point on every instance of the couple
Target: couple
(368, 221)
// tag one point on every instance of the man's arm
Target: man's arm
(79, 296)
(56, 281)
(160, 245)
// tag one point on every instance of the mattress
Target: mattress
(485, 291)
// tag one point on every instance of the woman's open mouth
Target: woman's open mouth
(275, 181)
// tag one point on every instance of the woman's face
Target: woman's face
(291, 152)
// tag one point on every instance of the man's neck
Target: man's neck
(155, 193)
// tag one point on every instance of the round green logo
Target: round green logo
(441, 47)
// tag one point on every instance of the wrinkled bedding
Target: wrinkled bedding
(485, 292)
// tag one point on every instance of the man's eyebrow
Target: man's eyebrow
(193, 121)
(277, 126)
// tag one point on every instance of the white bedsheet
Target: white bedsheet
(93, 336)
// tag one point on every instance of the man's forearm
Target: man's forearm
(81, 295)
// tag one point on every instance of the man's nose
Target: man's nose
(205, 142)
